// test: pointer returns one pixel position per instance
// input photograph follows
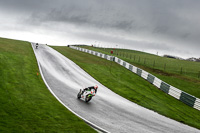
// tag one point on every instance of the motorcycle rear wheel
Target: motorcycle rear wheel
(79, 95)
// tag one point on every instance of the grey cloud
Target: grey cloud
(133, 17)
(174, 23)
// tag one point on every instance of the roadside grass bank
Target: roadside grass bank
(26, 105)
(184, 82)
(132, 87)
(183, 67)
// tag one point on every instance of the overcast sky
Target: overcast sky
(163, 26)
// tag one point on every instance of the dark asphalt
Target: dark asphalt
(107, 109)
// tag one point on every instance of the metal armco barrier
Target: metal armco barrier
(186, 98)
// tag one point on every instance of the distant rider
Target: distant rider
(36, 45)
(90, 88)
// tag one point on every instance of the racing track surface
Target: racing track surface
(107, 109)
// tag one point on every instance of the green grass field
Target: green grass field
(187, 81)
(183, 67)
(131, 86)
(26, 105)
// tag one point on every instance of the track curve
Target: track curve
(107, 109)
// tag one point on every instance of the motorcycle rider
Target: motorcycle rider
(37, 45)
(90, 88)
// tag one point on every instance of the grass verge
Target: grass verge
(183, 67)
(131, 86)
(26, 105)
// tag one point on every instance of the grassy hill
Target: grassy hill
(26, 105)
(131, 86)
(187, 68)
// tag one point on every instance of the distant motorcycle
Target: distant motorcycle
(86, 95)
(36, 45)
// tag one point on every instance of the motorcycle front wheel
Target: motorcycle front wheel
(88, 98)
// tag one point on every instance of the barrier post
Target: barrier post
(181, 70)
(165, 66)
(154, 64)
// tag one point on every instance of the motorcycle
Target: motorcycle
(36, 45)
(86, 95)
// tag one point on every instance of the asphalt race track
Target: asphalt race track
(107, 109)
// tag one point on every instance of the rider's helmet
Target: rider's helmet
(95, 87)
